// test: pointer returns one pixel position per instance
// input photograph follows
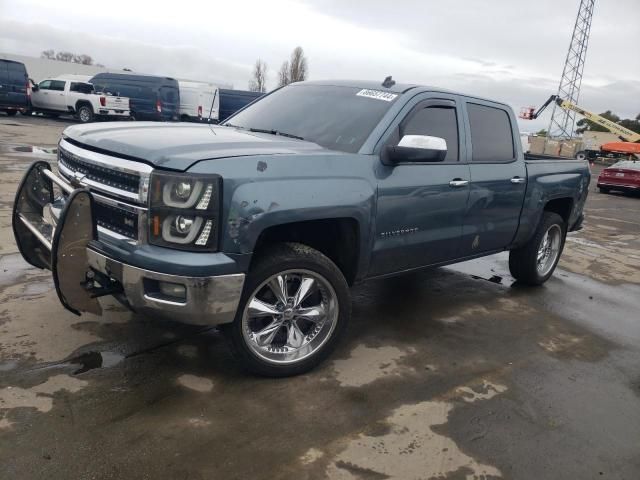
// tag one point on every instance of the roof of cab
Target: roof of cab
(397, 88)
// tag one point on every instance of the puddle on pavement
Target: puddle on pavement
(493, 279)
(28, 149)
(92, 360)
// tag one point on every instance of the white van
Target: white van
(199, 102)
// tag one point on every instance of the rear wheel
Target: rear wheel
(603, 189)
(294, 309)
(581, 156)
(85, 114)
(534, 263)
(11, 113)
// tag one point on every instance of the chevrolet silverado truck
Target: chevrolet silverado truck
(260, 225)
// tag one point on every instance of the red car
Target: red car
(623, 175)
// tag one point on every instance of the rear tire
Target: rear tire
(535, 262)
(603, 189)
(85, 114)
(11, 113)
(294, 309)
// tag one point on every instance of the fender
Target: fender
(257, 206)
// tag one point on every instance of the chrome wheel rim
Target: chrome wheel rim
(84, 115)
(549, 250)
(290, 316)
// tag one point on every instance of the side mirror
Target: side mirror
(34, 85)
(418, 148)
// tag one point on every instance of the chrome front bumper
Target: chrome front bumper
(208, 300)
(46, 241)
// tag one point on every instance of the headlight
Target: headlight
(184, 211)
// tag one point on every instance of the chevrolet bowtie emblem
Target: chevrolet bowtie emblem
(76, 180)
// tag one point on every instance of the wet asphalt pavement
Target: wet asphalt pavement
(451, 373)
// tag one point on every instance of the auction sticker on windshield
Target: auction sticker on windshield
(377, 95)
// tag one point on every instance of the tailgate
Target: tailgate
(116, 102)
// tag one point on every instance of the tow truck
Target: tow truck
(629, 145)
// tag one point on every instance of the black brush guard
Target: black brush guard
(59, 246)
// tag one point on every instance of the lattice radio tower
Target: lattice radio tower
(563, 121)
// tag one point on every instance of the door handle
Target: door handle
(518, 180)
(458, 182)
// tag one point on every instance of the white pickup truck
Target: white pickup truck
(74, 94)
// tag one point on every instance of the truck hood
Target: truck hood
(177, 146)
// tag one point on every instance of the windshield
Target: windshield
(338, 118)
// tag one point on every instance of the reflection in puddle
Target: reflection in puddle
(92, 360)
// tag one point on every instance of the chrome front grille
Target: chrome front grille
(119, 187)
(102, 175)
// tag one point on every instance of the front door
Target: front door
(498, 180)
(421, 206)
(40, 97)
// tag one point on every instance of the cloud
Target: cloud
(509, 51)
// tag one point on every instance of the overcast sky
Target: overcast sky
(509, 50)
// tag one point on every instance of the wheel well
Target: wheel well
(80, 103)
(561, 206)
(337, 238)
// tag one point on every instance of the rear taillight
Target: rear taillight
(159, 106)
(103, 101)
(200, 111)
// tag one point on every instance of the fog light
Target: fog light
(174, 290)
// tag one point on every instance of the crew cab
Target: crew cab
(260, 225)
(75, 95)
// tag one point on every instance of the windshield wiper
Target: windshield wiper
(275, 132)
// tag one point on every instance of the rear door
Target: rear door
(169, 98)
(4, 83)
(498, 178)
(17, 80)
(421, 206)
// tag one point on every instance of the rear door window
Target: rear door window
(436, 122)
(491, 134)
(81, 87)
(57, 85)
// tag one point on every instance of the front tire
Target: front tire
(294, 309)
(535, 262)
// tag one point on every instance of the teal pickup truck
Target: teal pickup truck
(260, 225)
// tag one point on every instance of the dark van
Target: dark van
(14, 87)
(152, 98)
(233, 100)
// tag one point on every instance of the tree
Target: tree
(64, 56)
(50, 54)
(259, 81)
(633, 125)
(297, 66)
(283, 75)
(585, 124)
(83, 59)
(542, 133)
